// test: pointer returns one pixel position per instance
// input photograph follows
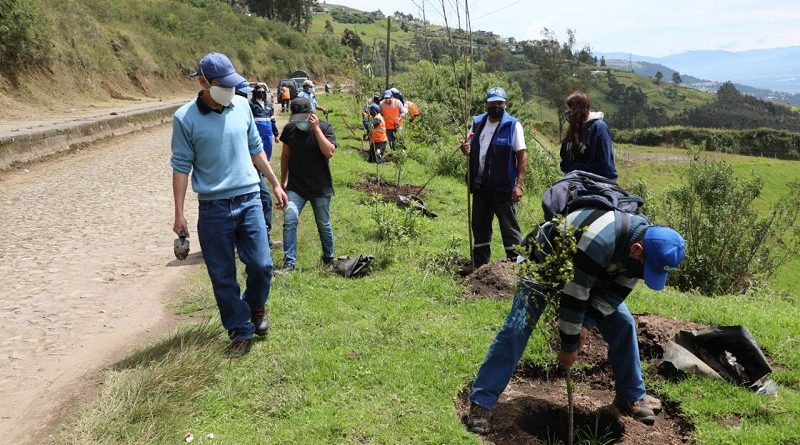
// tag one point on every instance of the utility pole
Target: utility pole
(388, 48)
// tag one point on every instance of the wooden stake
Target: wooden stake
(388, 49)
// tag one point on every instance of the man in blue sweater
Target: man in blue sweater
(604, 274)
(214, 137)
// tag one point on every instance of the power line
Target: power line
(496, 10)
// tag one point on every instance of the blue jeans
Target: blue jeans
(291, 216)
(618, 330)
(390, 134)
(225, 224)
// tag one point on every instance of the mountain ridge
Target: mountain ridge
(776, 69)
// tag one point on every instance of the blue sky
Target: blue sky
(641, 27)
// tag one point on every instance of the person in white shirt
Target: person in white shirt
(497, 162)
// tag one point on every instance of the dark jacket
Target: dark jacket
(596, 152)
(500, 166)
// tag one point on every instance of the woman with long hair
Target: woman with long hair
(587, 145)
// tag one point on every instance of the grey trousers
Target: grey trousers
(485, 205)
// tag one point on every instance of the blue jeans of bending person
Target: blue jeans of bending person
(291, 216)
(618, 330)
(223, 227)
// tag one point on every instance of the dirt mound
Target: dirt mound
(533, 408)
(655, 332)
(388, 190)
(496, 280)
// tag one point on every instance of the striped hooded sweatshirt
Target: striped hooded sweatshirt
(600, 282)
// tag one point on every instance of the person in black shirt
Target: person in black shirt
(308, 145)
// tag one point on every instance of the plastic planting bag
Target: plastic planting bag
(725, 352)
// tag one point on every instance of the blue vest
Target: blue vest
(500, 166)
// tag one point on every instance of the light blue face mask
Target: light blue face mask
(303, 125)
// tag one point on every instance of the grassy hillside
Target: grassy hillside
(382, 358)
(368, 32)
(685, 99)
(103, 48)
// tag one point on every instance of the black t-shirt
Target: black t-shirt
(309, 169)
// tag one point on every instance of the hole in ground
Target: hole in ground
(548, 422)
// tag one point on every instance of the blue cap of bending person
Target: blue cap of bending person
(664, 249)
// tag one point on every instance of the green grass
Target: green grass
(381, 359)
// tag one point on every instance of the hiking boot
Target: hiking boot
(285, 270)
(638, 409)
(478, 420)
(240, 347)
(260, 318)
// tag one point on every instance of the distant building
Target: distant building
(598, 72)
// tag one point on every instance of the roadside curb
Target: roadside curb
(27, 147)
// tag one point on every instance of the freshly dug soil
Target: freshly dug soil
(533, 408)
(496, 280)
(388, 190)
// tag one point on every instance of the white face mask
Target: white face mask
(221, 95)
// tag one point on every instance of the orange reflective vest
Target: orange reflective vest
(285, 93)
(391, 109)
(378, 133)
(413, 109)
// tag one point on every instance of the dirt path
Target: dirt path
(86, 266)
(26, 124)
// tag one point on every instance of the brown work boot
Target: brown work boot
(240, 347)
(478, 420)
(260, 318)
(638, 409)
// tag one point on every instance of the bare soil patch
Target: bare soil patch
(533, 408)
(389, 191)
(496, 280)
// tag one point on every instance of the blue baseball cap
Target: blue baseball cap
(663, 249)
(375, 107)
(216, 66)
(495, 94)
(387, 94)
(244, 87)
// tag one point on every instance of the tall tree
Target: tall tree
(659, 76)
(676, 78)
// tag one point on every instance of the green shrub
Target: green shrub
(730, 248)
(757, 142)
(394, 225)
(24, 35)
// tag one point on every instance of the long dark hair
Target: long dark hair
(579, 106)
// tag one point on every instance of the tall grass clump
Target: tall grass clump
(150, 395)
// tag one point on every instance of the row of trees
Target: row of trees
(296, 13)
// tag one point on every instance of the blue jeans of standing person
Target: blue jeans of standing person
(390, 134)
(229, 224)
(618, 330)
(291, 216)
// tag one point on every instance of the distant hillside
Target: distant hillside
(776, 69)
(649, 69)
